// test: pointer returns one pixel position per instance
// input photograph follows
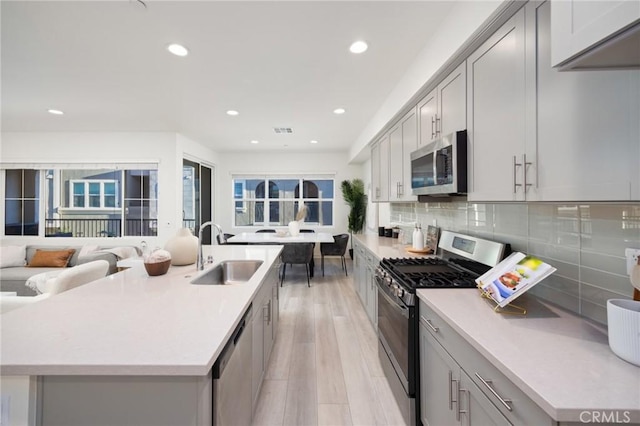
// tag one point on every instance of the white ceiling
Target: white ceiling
(279, 63)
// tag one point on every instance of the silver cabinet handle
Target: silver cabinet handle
(524, 169)
(265, 313)
(460, 410)
(515, 167)
(433, 122)
(430, 325)
(377, 192)
(438, 120)
(503, 401)
(451, 380)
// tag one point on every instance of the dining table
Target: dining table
(282, 237)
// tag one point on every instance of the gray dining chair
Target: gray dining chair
(223, 239)
(296, 254)
(337, 248)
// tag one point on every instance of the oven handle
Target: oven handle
(403, 310)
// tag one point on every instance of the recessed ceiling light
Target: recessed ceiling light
(314, 141)
(55, 112)
(358, 47)
(255, 142)
(178, 49)
(232, 112)
(339, 111)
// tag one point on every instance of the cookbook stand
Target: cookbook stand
(510, 309)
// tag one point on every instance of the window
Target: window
(93, 194)
(82, 202)
(275, 201)
(21, 202)
(197, 184)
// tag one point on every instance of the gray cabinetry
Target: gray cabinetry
(360, 262)
(439, 379)
(460, 386)
(496, 109)
(364, 280)
(587, 124)
(595, 34)
(380, 169)
(371, 290)
(402, 141)
(443, 110)
(265, 314)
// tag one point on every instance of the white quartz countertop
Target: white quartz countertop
(132, 324)
(383, 247)
(561, 361)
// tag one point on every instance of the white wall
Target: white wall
(282, 163)
(165, 148)
(465, 18)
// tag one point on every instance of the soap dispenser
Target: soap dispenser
(418, 238)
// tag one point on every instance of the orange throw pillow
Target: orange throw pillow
(51, 258)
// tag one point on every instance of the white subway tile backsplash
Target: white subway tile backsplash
(585, 242)
(619, 284)
(554, 252)
(511, 219)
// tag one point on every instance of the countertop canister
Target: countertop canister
(623, 319)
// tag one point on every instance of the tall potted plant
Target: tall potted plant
(354, 195)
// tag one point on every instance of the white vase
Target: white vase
(294, 228)
(183, 247)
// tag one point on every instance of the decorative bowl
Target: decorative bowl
(158, 268)
(281, 233)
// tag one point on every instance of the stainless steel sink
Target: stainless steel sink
(229, 272)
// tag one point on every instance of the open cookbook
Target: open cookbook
(513, 276)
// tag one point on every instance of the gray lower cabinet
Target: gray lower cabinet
(125, 400)
(265, 317)
(364, 280)
(448, 395)
(459, 386)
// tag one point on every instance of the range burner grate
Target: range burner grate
(415, 273)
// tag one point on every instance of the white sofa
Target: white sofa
(13, 278)
(66, 280)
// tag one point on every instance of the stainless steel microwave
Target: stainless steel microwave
(440, 168)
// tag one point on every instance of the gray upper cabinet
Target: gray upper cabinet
(380, 170)
(496, 111)
(443, 110)
(427, 111)
(452, 102)
(402, 141)
(595, 34)
(588, 137)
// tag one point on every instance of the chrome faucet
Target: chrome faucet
(200, 260)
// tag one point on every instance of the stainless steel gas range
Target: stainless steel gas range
(460, 261)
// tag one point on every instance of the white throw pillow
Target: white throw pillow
(13, 256)
(87, 249)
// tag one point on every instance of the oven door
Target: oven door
(393, 332)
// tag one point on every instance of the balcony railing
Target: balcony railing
(100, 227)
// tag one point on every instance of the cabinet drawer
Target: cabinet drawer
(512, 402)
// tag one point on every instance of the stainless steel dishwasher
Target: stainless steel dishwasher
(232, 378)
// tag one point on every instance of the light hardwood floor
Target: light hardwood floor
(324, 368)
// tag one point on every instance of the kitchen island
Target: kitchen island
(134, 335)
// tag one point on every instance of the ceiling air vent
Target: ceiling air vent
(283, 129)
